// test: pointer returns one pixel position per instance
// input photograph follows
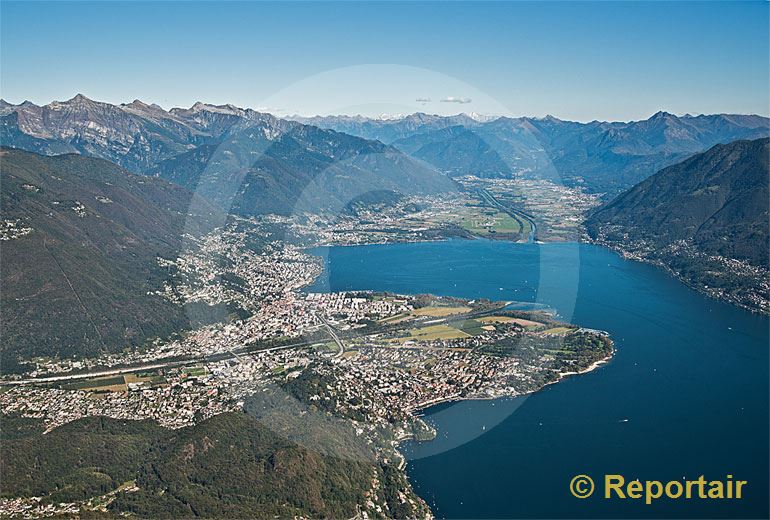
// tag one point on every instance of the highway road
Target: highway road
(518, 215)
(334, 335)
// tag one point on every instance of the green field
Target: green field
(396, 318)
(439, 312)
(471, 327)
(487, 222)
(103, 383)
(528, 324)
(195, 371)
(558, 330)
(434, 332)
(328, 346)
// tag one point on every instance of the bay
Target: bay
(685, 395)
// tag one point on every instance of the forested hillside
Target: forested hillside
(697, 217)
(80, 249)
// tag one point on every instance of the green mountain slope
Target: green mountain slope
(81, 242)
(228, 466)
(305, 168)
(712, 207)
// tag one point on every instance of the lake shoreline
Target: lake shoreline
(582, 239)
(669, 334)
(660, 264)
(419, 412)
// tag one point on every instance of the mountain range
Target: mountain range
(604, 157)
(243, 161)
(283, 165)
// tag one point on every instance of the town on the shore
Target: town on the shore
(372, 360)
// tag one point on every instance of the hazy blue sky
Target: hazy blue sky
(583, 61)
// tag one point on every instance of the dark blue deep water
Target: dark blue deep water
(686, 393)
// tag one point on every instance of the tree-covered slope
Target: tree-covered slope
(80, 248)
(228, 466)
(698, 217)
(255, 171)
(85, 458)
(717, 199)
(233, 466)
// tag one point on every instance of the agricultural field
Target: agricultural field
(557, 210)
(195, 371)
(528, 324)
(144, 377)
(328, 346)
(397, 318)
(100, 384)
(434, 332)
(440, 312)
(470, 327)
(486, 222)
(451, 330)
(117, 383)
(480, 219)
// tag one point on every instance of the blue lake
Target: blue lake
(685, 395)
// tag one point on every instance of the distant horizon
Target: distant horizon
(380, 117)
(621, 62)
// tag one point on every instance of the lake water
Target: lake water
(686, 393)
